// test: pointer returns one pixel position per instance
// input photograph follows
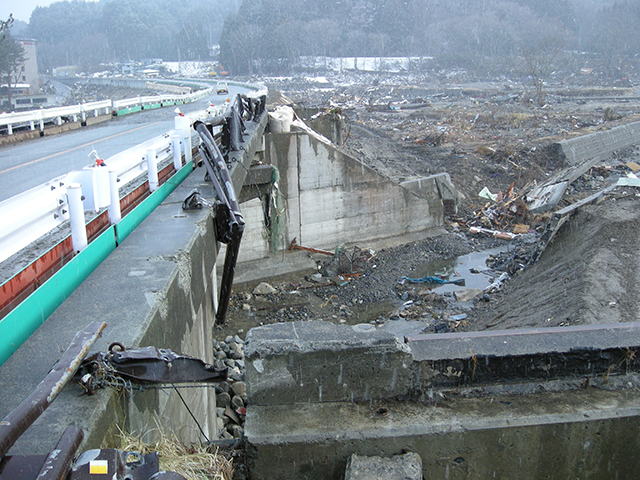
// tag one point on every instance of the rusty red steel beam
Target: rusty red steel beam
(294, 246)
(21, 418)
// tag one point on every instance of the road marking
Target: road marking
(74, 148)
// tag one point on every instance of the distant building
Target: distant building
(29, 71)
(26, 85)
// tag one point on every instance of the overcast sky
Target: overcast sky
(21, 9)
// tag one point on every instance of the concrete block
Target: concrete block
(399, 467)
(310, 362)
(600, 145)
(98, 119)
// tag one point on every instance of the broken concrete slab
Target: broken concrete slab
(314, 361)
(529, 341)
(398, 467)
(444, 187)
(628, 182)
(546, 197)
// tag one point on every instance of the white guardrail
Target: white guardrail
(32, 214)
(36, 119)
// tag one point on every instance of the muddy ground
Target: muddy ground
(484, 135)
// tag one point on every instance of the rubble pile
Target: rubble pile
(231, 395)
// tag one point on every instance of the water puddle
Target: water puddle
(472, 268)
(462, 268)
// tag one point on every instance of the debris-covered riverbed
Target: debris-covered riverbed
(496, 145)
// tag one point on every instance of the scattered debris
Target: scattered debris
(264, 289)
(294, 246)
(467, 294)
(195, 201)
(118, 366)
(433, 281)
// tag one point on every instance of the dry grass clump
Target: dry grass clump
(194, 462)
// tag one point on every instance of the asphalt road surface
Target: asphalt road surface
(26, 165)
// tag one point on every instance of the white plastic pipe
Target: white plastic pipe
(152, 169)
(76, 216)
(177, 154)
(115, 214)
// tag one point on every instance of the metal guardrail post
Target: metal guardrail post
(152, 169)
(76, 215)
(177, 154)
(115, 213)
(183, 124)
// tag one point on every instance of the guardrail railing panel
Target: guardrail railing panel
(32, 214)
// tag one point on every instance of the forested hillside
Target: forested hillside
(88, 33)
(270, 36)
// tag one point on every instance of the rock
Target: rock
(228, 412)
(263, 289)
(238, 354)
(220, 426)
(399, 467)
(220, 411)
(220, 355)
(223, 400)
(246, 307)
(229, 362)
(238, 340)
(237, 431)
(239, 388)
(240, 364)
(467, 294)
(237, 402)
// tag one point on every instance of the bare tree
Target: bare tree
(539, 60)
